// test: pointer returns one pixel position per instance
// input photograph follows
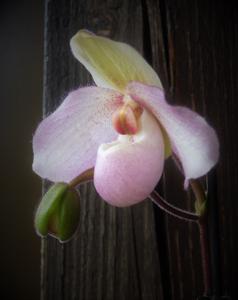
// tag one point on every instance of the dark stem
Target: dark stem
(173, 210)
(205, 254)
(201, 217)
(201, 209)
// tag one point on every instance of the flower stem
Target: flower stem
(205, 254)
(200, 217)
(83, 177)
(201, 209)
(173, 210)
(200, 196)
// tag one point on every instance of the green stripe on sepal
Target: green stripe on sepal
(58, 212)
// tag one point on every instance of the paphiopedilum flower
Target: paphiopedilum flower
(123, 127)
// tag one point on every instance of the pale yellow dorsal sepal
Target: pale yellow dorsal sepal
(111, 64)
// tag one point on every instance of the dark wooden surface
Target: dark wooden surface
(138, 252)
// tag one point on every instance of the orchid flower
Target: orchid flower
(123, 127)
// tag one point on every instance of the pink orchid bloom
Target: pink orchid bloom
(127, 154)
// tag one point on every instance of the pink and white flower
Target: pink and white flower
(100, 127)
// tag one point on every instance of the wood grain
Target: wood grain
(138, 252)
(115, 253)
(197, 44)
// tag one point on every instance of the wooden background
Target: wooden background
(139, 252)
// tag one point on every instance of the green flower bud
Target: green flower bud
(58, 212)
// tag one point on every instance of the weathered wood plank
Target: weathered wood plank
(198, 43)
(118, 253)
(114, 254)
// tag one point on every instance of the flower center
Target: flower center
(126, 119)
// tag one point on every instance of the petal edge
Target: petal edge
(192, 139)
(65, 143)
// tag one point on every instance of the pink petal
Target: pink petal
(128, 169)
(192, 139)
(65, 143)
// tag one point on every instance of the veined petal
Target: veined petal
(127, 170)
(65, 143)
(192, 139)
(112, 64)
